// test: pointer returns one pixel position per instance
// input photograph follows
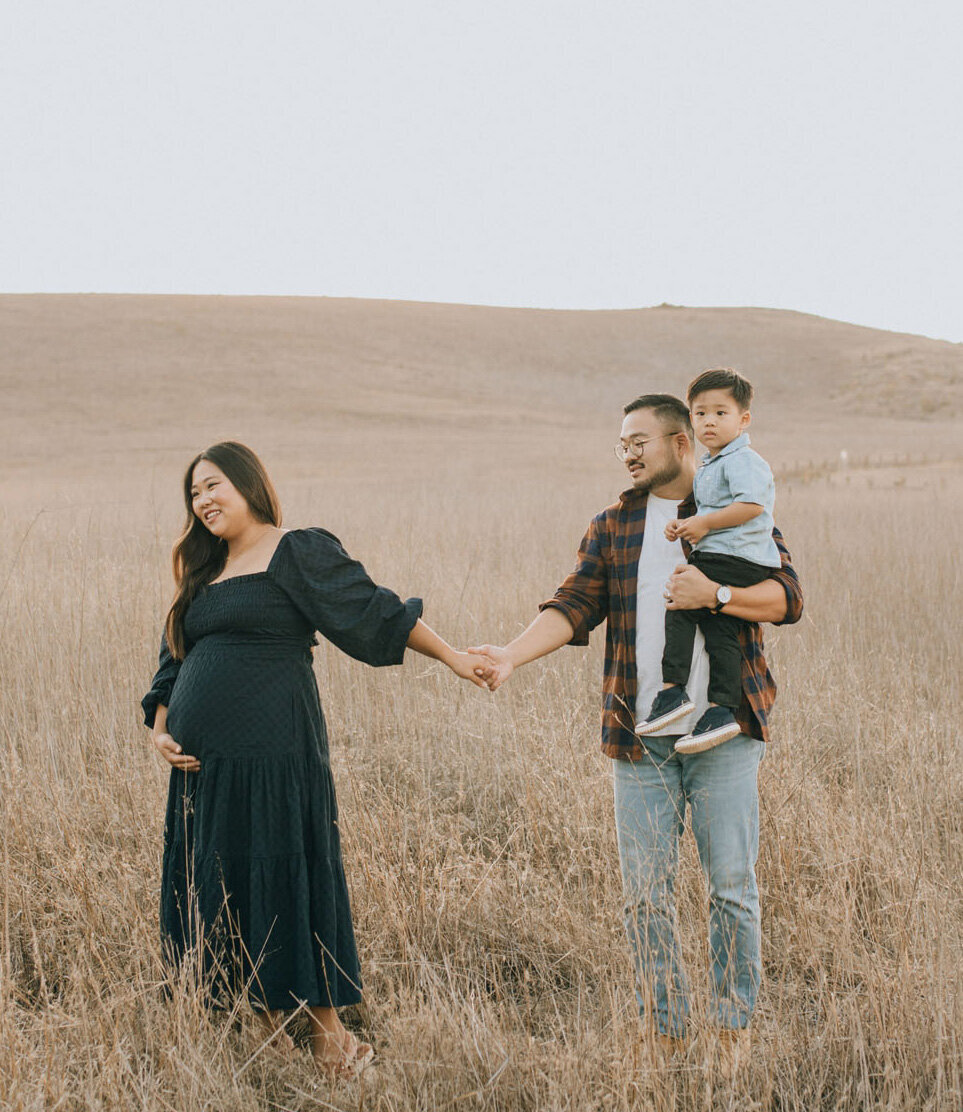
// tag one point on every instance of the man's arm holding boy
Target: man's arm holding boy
(777, 600)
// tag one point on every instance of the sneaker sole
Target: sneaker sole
(698, 743)
(653, 727)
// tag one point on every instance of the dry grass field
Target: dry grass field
(460, 453)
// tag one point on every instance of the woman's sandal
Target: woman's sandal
(354, 1060)
(277, 1039)
(283, 1045)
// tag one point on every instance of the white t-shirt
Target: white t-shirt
(657, 561)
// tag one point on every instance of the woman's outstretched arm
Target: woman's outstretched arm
(424, 640)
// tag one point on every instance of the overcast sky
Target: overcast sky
(599, 154)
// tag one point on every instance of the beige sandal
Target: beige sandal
(282, 1044)
(277, 1037)
(354, 1060)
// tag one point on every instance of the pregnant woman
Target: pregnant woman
(252, 870)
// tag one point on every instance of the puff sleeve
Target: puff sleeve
(335, 594)
(162, 684)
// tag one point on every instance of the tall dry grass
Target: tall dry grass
(479, 839)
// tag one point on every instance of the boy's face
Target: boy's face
(717, 420)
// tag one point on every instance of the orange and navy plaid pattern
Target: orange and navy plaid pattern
(604, 585)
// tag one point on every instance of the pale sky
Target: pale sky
(801, 155)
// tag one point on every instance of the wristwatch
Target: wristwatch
(723, 595)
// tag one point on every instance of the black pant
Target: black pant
(721, 631)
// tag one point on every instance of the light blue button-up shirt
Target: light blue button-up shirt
(738, 474)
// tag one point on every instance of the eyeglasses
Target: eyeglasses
(636, 446)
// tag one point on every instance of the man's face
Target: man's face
(657, 463)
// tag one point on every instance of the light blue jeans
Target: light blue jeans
(720, 788)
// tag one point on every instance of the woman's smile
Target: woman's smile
(217, 502)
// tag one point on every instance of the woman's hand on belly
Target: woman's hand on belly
(172, 753)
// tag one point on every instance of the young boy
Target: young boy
(731, 538)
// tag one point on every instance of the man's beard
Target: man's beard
(668, 473)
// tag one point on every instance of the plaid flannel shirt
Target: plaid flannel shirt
(604, 585)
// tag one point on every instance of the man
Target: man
(627, 574)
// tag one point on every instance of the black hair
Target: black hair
(670, 411)
(722, 378)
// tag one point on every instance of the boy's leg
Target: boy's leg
(721, 631)
(649, 817)
(730, 570)
(725, 659)
(724, 650)
(673, 701)
(680, 627)
(721, 786)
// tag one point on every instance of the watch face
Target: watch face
(724, 595)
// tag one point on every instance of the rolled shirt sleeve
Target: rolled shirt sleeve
(786, 575)
(583, 596)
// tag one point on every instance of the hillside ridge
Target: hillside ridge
(91, 373)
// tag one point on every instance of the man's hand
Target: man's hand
(691, 529)
(689, 589)
(498, 665)
(173, 754)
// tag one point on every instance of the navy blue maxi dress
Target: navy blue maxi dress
(252, 865)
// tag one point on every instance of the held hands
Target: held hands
(471, 665)
(173, 754)
(691, 529)
(498, 665)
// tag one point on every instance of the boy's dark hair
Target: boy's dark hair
(671, 411)
(722, 378)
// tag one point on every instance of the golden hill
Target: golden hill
(87, 376)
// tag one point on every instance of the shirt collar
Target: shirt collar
(741, 441)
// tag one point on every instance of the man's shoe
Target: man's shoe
(658, 1050)
(732, 1051)
(713, 728)
(670, 1045)
(668, 706)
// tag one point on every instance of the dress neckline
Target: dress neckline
(254, 574)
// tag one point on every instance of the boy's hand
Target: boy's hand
(670, 529)
(689, 529)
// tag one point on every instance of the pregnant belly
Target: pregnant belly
(239, 704)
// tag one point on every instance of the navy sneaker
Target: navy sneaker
(713, 728)
(669, 705)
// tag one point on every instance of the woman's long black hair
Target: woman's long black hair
(198, 555)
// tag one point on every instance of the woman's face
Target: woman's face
(217, 502)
